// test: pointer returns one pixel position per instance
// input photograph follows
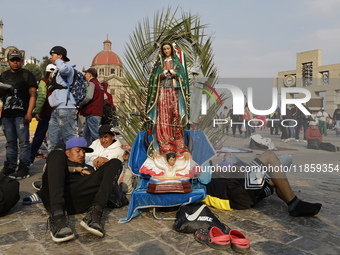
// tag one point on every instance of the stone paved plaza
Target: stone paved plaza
(268, 226)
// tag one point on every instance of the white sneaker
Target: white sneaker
(286, 141)
(296, 140)
(304, 141)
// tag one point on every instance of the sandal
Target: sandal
(33, 199)
(239, 242)
(213, 237)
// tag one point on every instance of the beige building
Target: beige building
(322, 81)
(110, 70)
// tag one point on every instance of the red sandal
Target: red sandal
(213, 237)
(239, 242)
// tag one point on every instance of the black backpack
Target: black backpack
(108, 113)
(9, 194)
(192, 217)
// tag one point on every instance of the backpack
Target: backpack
(192, 217)
(77, 88)
(108, 113)
(9, 194)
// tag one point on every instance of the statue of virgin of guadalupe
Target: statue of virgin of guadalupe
(166, 105)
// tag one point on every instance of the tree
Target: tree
(35, 70)
(45, 61)
(187, 33)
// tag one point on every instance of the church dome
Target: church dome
(106, 56)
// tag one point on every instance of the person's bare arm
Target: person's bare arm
(33, 98)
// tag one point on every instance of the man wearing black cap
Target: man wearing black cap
(18, 104)
(73, 186)
(104, 148)
(62, 122)
(92, 106)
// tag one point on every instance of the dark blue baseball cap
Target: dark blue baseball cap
(78, 142)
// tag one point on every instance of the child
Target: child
(127, 180)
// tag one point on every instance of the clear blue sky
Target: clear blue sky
(251, 38)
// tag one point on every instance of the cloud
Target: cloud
(322, 6)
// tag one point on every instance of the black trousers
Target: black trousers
(76, 195)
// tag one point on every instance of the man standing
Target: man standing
(71, 185)
(105, 148)
(62, 122)
(302, 120)
(322, 117)
(92, 106)
(18, 105)
(336, 120)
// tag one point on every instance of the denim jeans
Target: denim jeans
(249, 130)
(39, 136)
(292, 129)
(91, 128)
(303, 123)
(62, 126)
(14, 130)
(337, 126)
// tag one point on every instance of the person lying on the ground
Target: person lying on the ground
(71, 185)
(314, 139)
(244, 192)
(104, 148)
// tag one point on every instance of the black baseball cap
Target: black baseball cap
(60, 51)
(107, 129)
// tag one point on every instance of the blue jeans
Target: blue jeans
(249, 130)
(337, 126)
(303, 123)
(14, 130)
(39, 136)
(91, 128)
(62, 126)
(292, 129)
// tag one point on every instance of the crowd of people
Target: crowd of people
(294, 121)
(80, 173)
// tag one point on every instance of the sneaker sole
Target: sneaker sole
(60, 240)
(91, 230)
(19, 178)
(35, 187)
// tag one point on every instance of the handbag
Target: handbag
(9, 194)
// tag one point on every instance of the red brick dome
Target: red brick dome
(106, 57)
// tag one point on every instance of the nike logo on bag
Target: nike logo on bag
(195, 215)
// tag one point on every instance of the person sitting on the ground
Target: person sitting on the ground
(127, 180)
(314, 139)
(243, 193)
(71, 185)
(104, 148)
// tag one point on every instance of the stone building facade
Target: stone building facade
(323, 81)
(110, 69)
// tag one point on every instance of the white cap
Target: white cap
(50, 68)
(312, 123)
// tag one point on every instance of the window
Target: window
(121, 73)
(132, 102)
(307, 74)
(113, 71)
(101, 71)
(325, 78)
(112, 92)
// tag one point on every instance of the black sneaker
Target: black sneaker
(6, 170)
(21, 173)
(92, 221)
(60, 231)
(36, 185)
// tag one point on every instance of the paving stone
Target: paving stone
(133, 238)
(272, 247)
(22, 248)
(306, 244)
(277, 235)
(154, 249)
(108, 247)
(11, 226)
(14, 237)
